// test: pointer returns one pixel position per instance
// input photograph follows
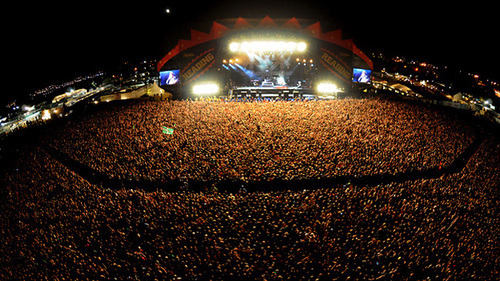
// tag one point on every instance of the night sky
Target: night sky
(51, 42)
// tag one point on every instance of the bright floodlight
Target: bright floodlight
(206, 89)
(291, 46)
(301, 46)
(327, 88)
(234, 47)
(46, 114)
(267, 46)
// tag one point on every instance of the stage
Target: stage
(271, 92)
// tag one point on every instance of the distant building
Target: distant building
(70, 94)
(457, 97)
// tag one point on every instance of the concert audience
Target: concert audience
(253, 141)
(55, 224)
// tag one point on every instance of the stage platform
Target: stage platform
(275, 92)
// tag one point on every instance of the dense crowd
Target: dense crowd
(255, 141)
(55, 225)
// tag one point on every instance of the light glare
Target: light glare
(206, 89)
(233, 47)
(267, 46)
(301, 46)
(327, 88)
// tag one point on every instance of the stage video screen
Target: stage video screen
(169, 77)
(361, 75)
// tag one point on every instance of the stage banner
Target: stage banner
(199, 65)
(336, 66)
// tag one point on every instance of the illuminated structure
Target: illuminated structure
(263, 57)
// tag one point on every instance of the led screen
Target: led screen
(361, 75)
(169, 77)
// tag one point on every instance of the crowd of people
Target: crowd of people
(262, 141)
(56, 225)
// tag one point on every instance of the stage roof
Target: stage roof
(221, 28)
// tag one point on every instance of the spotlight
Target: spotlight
(291, 46)
(327, 88)
(208, 88)
(301, 46)
(267, 46)
(234, 47)
(281, 46)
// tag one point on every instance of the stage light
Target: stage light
(46, 114)
(301, 46)
(281, 46)
(280, 81)
(327, 88)
(258, 46)
(291, 46)
(267, 46)
(234, 47)
(208, 88)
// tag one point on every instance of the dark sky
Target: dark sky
(50, 42)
